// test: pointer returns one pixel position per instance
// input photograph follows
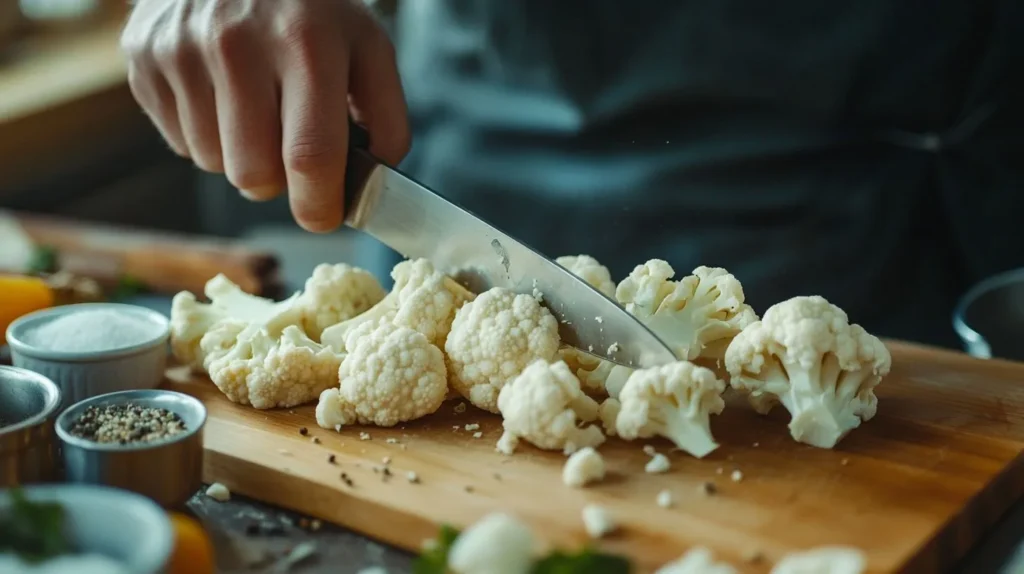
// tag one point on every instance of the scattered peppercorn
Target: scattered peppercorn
(468, 488)
(127, 423)
(708, 488)
(303, 431)
(331, 459)
(316, 440)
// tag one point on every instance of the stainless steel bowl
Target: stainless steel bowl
(989, 318)
(167, 471)
(28, 406)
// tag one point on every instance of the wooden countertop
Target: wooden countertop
(64, 104)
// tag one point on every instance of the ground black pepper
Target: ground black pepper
(127, 423)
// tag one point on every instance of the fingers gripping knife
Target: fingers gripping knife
(418, 222)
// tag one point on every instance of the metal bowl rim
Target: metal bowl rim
(53, 400)
(982, 287)
(136, 395)
(19, 345)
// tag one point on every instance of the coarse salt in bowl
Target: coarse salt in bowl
(92, 349)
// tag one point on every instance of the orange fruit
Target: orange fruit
(193, 551)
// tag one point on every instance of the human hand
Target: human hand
(261, 90)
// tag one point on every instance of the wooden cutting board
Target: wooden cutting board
(914, 488)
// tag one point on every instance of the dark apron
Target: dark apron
(870, 152)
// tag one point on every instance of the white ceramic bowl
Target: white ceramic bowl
(117, 524)
(84, 374)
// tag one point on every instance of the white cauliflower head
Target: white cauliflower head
(674, 401)
(588, 269)
(496, 544)
(698, 560)
(493, 339)
(422, 299)
(253, 367)
(190, 319)
(822, 560)
(696, 316)
(805, 354)
(392, 374)
(335, 293)
(544, 405)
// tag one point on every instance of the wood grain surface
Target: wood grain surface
(914, 488)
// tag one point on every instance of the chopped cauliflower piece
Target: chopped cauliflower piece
(823, 560)
(218, 492)
(497, 544)
(392, 374)
(588, 269)
(252, 367)
(583, 467)
(659, 463)
(596, 375)
(598, 521)
(664, 499)
(335, 293)
(674, 401)
(191, 320)
(493, 339)
(698, 560)
(422, 299)
(609, 413)
(696, 316)
(544, 405)
(805, 354)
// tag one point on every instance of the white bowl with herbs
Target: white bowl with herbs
(82, 530)
(146, 441)
(91, 349)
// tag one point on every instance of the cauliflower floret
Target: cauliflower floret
(674, 401)
(698, 560)
(496, 544)
(493, 339)
(588, 269)
(805, 354)
(190, 319)
(597, 376)
(335, 293)
(543, 405)
(609, 414)
(392, 374)
(422, 299)
(583, 467)
(823, 560)
(253, 367)
(696, 316)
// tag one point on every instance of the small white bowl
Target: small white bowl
(85, 374)
(118, 524)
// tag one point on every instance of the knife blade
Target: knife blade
(418, 222)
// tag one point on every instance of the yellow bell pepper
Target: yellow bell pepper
(193, 550)
(21, 295)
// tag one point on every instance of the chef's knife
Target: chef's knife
(417, 222)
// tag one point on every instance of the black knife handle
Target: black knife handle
(355, 172)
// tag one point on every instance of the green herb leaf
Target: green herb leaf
(127, 286)
(44, 260)
(585, 561)
(434, 560)
(33, 530)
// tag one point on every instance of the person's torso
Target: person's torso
(803, 146)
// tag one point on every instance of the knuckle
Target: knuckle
(227, 41)
(311, 156)
(296, 34)
(170, 52)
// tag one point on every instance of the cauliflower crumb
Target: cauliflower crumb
(674, 401)
(736, 476)
(583, 467)
(665, 499)
(598, 521)
(460, 408)
(218, 492)
(478, 434)
(613, 348)
(823, 560)
(364, 436)
(659, 463)
(698, 560)
(412, 477)
(493, 339)
(391, 440)
(472, 427)
(544, 405)
(649, 450)
(499, 544)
